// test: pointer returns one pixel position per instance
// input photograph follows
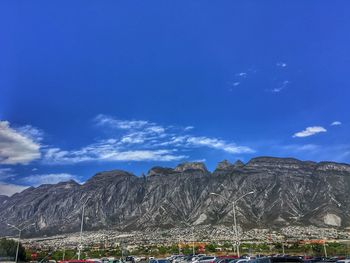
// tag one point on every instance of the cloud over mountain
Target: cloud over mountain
(140, 140)
(18, 146)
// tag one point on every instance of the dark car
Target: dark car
(286, 259)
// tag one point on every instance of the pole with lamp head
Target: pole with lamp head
(19, 236)
(237, 241)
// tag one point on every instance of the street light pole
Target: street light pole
(81, 231)
(19, 237)
(236, 229)
(234, 215)
(325, 249)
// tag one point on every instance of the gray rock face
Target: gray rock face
(224, 165)
(192, 166)
(158, 171)
(286, 192)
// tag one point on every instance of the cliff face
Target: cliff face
(286, 192)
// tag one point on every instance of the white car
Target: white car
(205, 259)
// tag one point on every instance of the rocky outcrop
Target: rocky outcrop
(286, 192)
(192, 167)
(159, 171)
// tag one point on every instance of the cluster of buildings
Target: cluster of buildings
(112, 238)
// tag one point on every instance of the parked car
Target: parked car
(286, 259)
(260, 260)
(159, 260)
(206, 259)
(130, 259)
(225, 259)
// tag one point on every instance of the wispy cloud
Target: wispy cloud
(18, 146)
(281, 87)
(53, 178)
(336, 123)
(105, 120)
(281, 64)
(188, 128)
(218, 144)
(141, 141)
(242, 74)
(31, 132)
(309, 131)
(10, 189)
(108, 153)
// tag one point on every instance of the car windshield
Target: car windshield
(163, 261)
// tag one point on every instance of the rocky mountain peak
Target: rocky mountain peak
(191, 166)
(238, 164)
(109, 175)
(331, 166)
(275, 163)
(158, 171)
(223, 165)
(68, 184)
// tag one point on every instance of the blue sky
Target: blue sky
(87, 86)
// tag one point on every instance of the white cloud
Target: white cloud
(17, 146)
(134, 138)
(336, 123)
(31, 132)
(104, 120)
(54, 178)
(309, 131)
(188, 128)
(140, 141)
(281, 64)
(109, 153)
(142, 155)
(281, 87)
(10, 189)
(236, 83)
(242, 74)
(218, 144)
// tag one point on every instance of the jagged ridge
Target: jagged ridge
(286, 192)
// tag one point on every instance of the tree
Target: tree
(210, 247)
(8, 248)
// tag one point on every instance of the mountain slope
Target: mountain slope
(286, 192)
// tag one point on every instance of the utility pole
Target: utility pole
(237, 241)
(325, 249)
(81, 231)
(19, 236)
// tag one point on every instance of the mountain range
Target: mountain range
(287, 191)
